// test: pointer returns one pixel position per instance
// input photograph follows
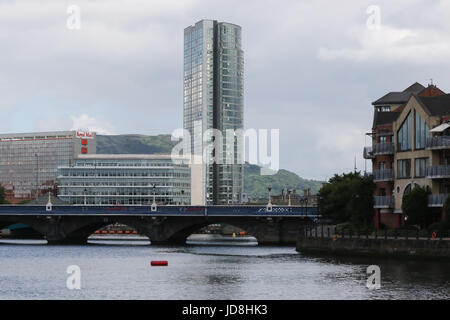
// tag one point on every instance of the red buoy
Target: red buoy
(159, 263)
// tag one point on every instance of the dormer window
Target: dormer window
(384, 109)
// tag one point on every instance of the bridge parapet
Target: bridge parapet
(277, 211)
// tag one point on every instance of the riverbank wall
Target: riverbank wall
(436, 248)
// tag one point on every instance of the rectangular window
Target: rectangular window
(420, 167)
(422, 132)
(404, 168)
(404, 135)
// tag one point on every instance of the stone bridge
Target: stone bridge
(171, 225)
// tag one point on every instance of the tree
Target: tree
(447, 209)
(2, 195)
(348, 198)
(415, 206)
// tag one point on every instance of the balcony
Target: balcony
(437, 200)
(384, 202)
(383, 175)
(438, 143)
(368, 153)
(383, 148)
(438, 172)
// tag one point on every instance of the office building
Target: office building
(125, 179)
(213, 99)
(29, 161)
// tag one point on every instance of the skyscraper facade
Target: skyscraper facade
(213, 99)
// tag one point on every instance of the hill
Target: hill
(255, 185)
(134, 144)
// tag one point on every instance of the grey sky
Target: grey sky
(311, 68)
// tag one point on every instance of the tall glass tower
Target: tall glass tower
(213, 99)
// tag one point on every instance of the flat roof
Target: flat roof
(32, 134)
(129, 156)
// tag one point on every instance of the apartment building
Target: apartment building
(410, 146)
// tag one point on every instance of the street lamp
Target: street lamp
(85, 196)
(270, 199)
(289, 197)
(37, 175)
(182, 197)
(154, 196)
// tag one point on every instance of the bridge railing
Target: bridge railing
(160, 210)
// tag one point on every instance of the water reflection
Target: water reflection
(33, 271)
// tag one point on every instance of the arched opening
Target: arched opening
(18, 231)
(221, 234)
(117, 234)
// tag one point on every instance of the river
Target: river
(121, 270)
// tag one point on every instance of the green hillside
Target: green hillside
(255, 185)
(134, 144)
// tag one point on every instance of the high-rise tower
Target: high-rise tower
(213, 99)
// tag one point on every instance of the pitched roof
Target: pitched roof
(437, 106)
(384, 118)
(400, 97)
(414, 88)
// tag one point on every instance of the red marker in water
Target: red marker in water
(162, 263)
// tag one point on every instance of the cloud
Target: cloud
(311, 67)
(393, 45)
(86, 123)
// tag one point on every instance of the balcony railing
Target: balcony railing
(438, 172)
(383, 148)
(383, 175)
(384, 202)
(437, 200)
(368, 153)
(439, 142)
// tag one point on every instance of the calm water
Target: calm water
(35, 271)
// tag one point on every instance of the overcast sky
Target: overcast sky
(312, 68)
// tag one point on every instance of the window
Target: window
(420, 167)
(384, 109)
(404, 135)
(404, 168)
(422, 131)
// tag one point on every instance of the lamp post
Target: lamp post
(85, 196)
(37, 175)
(182, 197)
(154, 195)
(289, 197)
(270, 199)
